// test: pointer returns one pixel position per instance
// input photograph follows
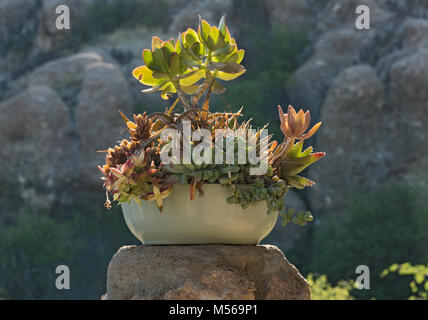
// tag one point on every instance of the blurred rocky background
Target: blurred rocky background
(60, 92)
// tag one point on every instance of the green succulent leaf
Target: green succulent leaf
(156, 43)
(174, 63)
(203, 30)
(149, 59)
(191, 77)
(232, 67)
(228, 76)
(159, 59)
(191, 37)
(294, 166)
(145, 76)
(190, 89)
(222, 25)
(299, 182)
(197, 50)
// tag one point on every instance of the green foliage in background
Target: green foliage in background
(321, 289)
(416, 278)
(378, 229)
(34, 242)
(418, 285)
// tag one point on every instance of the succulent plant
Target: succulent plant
(176, 66)
(189, 67)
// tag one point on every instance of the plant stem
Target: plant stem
(181, 95)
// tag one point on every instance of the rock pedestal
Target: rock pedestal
(203, 272)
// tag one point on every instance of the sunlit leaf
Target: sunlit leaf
(160, 59)
(174, 63)
(222, 25)
(228, 76)
(190, 89)
(156, 43)
(145, 76)
(193, 78)
(203, 30)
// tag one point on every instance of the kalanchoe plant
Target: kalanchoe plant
(192, 67)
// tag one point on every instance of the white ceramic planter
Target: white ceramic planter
(205, 220)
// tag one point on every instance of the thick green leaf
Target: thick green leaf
(295, 151)
(168, 89)
(222, 26)
(241, 53)
(145, 76)
(191, 37)
(169, 46)
(232, 67)
(228, 76)
(203, 30)
(217, 39)
(160, 59)
(187, 59)
(160, 75)
(148, 57)
(210, 43)
(172, 42)
(156, 43)
(193, 78)
(299, 182)
(161, 86)
(166, 50)
(223, 52)
(290, 167)
(190, 89)
(197, 50)
(174, 63)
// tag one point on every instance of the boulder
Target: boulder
(35, 140)
(414, 32)
(49, 38)
(186, 13)
(104, 91)
(333, 52)
(63, 72)
(353, 137)
(197, 272)
(341, 14)
(94, 91)
(291, 13)
(407, 107)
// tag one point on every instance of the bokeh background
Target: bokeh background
(60, 92)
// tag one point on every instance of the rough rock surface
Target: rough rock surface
(407, 107)
(91, 91)
(339, 13)
(186, 13)
(333, 52)
(63, 72)
(203, 272)
(355, 157)
(98, 123)
(292, 13)
(35, 137)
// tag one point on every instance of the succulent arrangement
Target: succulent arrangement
(191, 68)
